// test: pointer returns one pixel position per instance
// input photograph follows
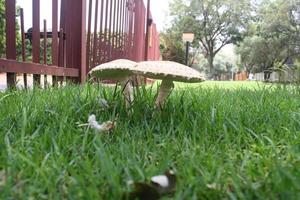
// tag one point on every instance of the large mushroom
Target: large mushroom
(168, 72)
(119, 70)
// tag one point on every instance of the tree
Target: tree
(224, 65)
(215, 23)
(273, 38)
(171, 47)
(260, 54)
(280, 21)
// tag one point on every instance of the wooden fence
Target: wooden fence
(84, 33)
(241, 76)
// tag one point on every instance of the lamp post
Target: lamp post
(187, 38)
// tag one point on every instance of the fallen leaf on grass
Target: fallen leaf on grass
(212, 186)
(104, 127)
(107, 126)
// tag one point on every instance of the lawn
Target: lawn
(224, 140)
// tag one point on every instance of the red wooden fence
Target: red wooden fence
(87, 33)
(117, 29)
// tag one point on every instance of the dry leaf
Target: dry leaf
(212, 186)
(104, 127)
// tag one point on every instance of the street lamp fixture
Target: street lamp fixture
(187, 38)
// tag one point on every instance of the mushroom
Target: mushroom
(158, 187)
(166, 183)
(119, 70)
(168, 72)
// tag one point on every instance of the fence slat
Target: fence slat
(106, 50)
(147, 30)
(95, 46)
(62, 29)
(54, 46)
(45, 50)
(101, 37)
(131, 28)
(113, 31)
(119, 27)
(110, 29)
(36, 37)
(54, 32)
(23, 44)
(10, 13)
(82, 39)
(88, 46)
(123, 28)
(62, 52)
(45, 43)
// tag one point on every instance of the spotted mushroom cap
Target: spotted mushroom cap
(168, 70)
(114, 70)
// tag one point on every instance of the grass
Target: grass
(224, 84)
(224, 140)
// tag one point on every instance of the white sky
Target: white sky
(159, 9)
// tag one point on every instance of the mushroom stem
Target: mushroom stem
(127, 91)
(165, 89)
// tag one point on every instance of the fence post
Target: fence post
(73, 22)
(10, 13)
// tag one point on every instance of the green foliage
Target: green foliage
(274, 36)
(224, 140)
(215, 23)
(267, 33)
(171, 47)
(28, 54)
(223, 65)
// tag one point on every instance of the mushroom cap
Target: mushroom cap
(168, 70)
(114, 70)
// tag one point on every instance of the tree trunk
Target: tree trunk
(210, 60)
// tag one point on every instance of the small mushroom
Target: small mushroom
(168, 72)
(119, 70)
(166, 183)
(158, 187)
